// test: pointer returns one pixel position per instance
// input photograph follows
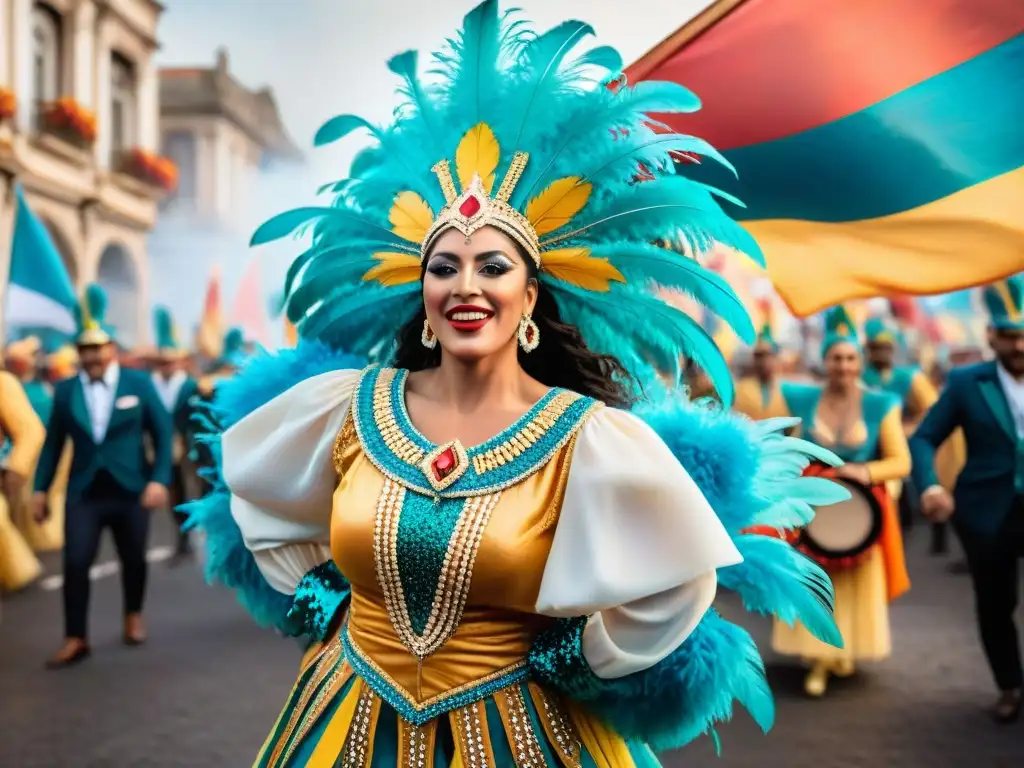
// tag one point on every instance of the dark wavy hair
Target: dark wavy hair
(561, 360)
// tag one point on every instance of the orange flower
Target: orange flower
(68, 114)
(153, 169)
(8, 103)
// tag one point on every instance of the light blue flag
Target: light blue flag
(39, 292)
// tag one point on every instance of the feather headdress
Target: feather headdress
(1004, 301)
(165, 333)
(839, 327)
(765, 337)
(523, 133)
(90, 315)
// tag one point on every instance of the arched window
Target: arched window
(123, 108)
(46, 58)
(180, 147)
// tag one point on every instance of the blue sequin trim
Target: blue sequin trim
(471, 483)
(418, 715)
(318, 596)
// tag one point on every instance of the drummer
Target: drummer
(864, 428)
(759, 396)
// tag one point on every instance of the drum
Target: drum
(841, 535)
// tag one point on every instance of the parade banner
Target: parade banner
(878, 144)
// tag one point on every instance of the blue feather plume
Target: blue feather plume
(227, 560)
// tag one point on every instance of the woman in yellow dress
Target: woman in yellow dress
(496, 562)
(864, 428)
(23, 432)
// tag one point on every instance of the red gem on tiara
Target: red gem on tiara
(470, 207)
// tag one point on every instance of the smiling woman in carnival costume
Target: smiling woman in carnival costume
(494, 562)
(864, 427)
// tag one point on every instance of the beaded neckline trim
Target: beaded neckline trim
(401, 453)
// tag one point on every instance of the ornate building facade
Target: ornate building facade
(83, 130)
(231, 149)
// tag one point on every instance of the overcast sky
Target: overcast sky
(325, 57)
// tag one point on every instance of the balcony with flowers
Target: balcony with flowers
(8, 104)
(68, 121)
(151, 169)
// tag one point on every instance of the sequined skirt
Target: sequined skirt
(333, 718)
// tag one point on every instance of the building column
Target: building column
(83, 55)
(20, 61)
(147, 100)
(223, 174)
(6, 36)
(101, 87)
(8, 205)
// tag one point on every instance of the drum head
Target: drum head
(846, 529)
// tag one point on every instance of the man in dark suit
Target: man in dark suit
(106, 411)
(176, 390)
(986, 401)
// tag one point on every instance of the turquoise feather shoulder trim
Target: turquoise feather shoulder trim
(228, 561)
(750, 472)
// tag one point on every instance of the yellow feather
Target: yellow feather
(394, 269)
(556, 205)
(478, 154)
(410, 217)
(577, 267)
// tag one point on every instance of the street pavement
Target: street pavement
(207, 687)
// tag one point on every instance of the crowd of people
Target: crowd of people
(942, 446)
(94, 433)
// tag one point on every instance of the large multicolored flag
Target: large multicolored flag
(878, 144)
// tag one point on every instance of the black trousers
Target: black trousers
(993, 562)
(178, 495)
(104, 505)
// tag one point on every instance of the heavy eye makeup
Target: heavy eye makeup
(493, 264)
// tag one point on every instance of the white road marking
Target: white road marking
(102, 570)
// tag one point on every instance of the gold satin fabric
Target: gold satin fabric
(498, 624)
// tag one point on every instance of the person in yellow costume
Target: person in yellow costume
(864, 428)
(47, 536)
(22, 429)
(759, 396)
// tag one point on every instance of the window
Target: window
(46, 58)
(123, 109)
(180, 147)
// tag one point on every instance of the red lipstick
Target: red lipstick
(468, 318)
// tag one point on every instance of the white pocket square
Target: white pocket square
(128, 401)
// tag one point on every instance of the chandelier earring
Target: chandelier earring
(529, 334)
(427, 338)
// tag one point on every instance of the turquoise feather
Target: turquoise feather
(163, 327)
(775, 579)
(669, 269)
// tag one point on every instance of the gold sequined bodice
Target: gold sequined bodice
(489, 582)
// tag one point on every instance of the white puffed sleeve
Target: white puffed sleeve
(277, 463)
(636, 547)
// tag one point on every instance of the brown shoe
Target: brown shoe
(74, 650)
(134, 629)
(1007, 707)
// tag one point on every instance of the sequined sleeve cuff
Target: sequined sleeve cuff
(318, 597)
